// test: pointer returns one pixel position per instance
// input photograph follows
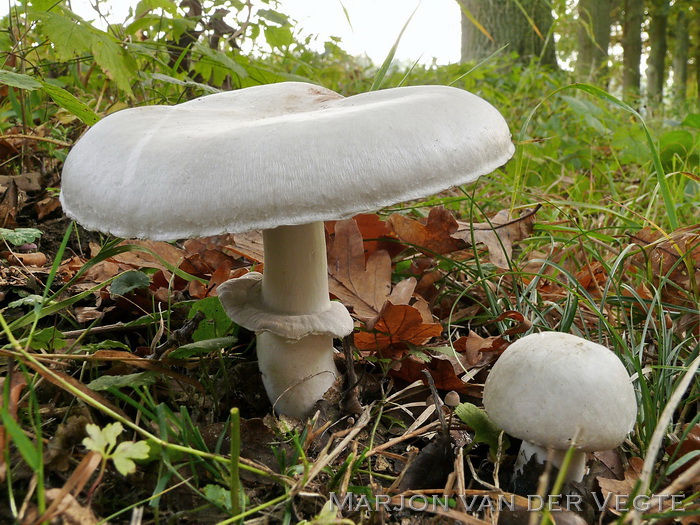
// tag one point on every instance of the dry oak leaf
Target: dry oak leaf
(433, 237)
(499, 234)
(365, 286)
(362, 286)
(446, 369)
(689, 445)
(376, 234)
(397, 324)
(663, 253)
(162, 252)
(611, 488)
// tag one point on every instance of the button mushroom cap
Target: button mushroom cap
(282, 158)
(554, 389)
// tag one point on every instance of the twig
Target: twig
(400, 439)
(438, 404)
(40, 139)
(322, 462)
(349, 402)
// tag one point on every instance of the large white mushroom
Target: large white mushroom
(554, 390)
(281, 158)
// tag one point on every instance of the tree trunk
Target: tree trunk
(632, 47)
(680, 55)
(507, 24)
(656, 63)
(593, 39)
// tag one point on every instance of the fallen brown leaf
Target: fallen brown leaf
(662, 255)
(397, 324)
(433, 237)
(24, 259)
(362, 286)
(376, 234)
(499, 234)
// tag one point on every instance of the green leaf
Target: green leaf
(114, 61)
(381, 73)
(24, 445)
(184, 83)
(59, 95)
(129, 380)
(28, 300)
(126, 452)
(218, 495)
(68, 37)
(216, 323)
(485, 431)
(692, 120)
(18, 80)
(102, 440)
(678, 142)
(48, 338)
(20, 236)
(107, 344)
(147, 5)
(279, 37)
(273, 16)
(202, 347)
(67, 101)
(129, 281)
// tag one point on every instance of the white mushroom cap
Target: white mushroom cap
(280, 154)
(551, 387)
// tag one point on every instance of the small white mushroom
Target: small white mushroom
(281, 158)
(553, 390)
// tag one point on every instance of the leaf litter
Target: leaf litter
(398, 314)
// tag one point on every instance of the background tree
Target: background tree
(508, 22)
(681, 48)
(656, 63)
(593, 38)
(632, 19)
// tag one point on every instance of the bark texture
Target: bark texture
(632, 47)
(507, 24)
(593, 39)
(680, 54)
(656, 63)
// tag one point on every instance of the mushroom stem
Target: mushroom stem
(577, 466)
(296, 372)
(296, 269)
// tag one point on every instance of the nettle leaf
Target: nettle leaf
(69, 38)
(126, 452)
(20, 236)
(128, 282)
(114, 61)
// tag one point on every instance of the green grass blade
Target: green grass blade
(379, 77)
